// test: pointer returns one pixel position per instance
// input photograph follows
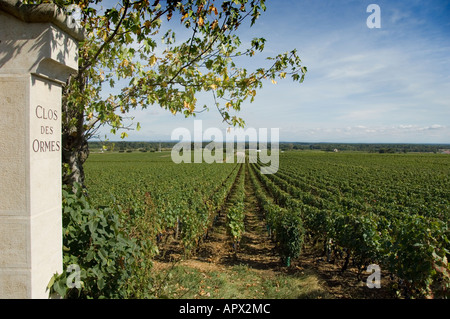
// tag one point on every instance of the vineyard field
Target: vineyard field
(354, 209)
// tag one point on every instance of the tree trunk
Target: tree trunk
(75, 150)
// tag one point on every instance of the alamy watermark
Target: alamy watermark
(74, 279)
(74, 16)
(374, 279)
(261, 146)
(374, 20)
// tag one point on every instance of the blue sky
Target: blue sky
(385, 85)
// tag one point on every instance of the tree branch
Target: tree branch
(108, 40)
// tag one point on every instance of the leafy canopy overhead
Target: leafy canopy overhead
(126, 43)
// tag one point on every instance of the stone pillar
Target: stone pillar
(38, 52)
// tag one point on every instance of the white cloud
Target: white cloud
(404, 133)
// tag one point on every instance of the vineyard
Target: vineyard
(353, 209)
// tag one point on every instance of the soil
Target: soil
(258, 251)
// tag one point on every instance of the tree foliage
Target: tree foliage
(110, 263)
(131, 58)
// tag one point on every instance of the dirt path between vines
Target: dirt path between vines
(258, 252)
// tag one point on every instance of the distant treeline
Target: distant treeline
(363, 147)
(124, 146)
(132, 146)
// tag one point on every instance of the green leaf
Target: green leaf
(100, 283)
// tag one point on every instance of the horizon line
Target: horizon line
(298, 142)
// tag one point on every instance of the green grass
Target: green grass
(236, 282)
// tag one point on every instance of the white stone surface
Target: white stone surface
(35, 60)
(41, 49)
